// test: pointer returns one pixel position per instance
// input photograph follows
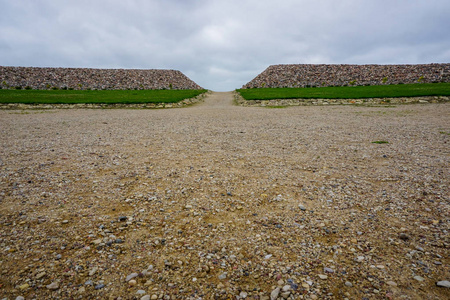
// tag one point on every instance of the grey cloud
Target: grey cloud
(221, 44)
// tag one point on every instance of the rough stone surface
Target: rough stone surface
(97, 79)
(215, 188)
(306, 75)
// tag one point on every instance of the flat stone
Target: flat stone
(321, 276)
(286, 288)
(93, 271)
(53, 286)
(419, 278)
(146, 297)
(274, 294)
(348, 283)
(443, 283)
(89, 282)
(223, 276)
(391, 283)
(99, 286)
(131, 276)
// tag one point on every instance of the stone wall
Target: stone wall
(98, 79)
(277, 76)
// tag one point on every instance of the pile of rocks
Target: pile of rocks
(95, 79)
(278, 76)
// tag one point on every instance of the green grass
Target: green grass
(96, 96)
(349, 92)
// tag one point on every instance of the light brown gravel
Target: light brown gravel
(217, 201)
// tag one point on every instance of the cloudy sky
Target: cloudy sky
(221, 45)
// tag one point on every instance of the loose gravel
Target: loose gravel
(216, 201)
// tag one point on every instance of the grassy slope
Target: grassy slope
(104, 96)
(350, 92)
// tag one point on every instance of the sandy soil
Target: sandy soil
(217, 201)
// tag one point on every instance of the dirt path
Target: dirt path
(217, 201)
(218, 100)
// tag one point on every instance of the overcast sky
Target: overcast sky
(221, 45)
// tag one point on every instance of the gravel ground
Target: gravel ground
(216, 201)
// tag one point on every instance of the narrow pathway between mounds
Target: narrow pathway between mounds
(218, 99)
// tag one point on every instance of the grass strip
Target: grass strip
(349, 92)
(96, 96)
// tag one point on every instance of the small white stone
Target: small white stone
(391, 283)
(443, 283)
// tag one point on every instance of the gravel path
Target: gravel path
(216, 201)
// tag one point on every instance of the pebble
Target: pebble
(17, 298)
(403, 236)
(53, 286)
(140, 292)
(348, 283)
(93, 271)
(146, 297)
(223, 276)
(99, 286)
(274, 294)
(132, 282)
(328, 270)
(443, 283)
(243, 295)
(321, 276)
(40, 275)
(131, 276)
(154, 297)
(286, 288)
(391, 283)
(24, 286)
(89, 282)
(419, 278)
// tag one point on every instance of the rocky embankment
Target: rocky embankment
(98, 79)
(309, 75)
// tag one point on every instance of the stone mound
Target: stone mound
(307, 75)
(98, 79)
